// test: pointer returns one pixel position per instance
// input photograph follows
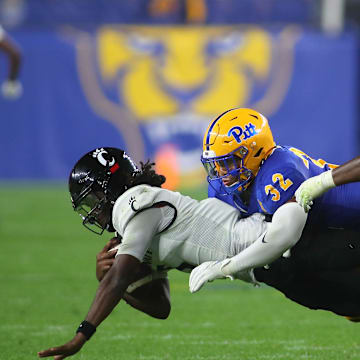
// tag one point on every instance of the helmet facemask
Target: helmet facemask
(229, 169)
(94, 207)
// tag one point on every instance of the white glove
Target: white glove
(11, 89)
(207, 271)
(312, 188)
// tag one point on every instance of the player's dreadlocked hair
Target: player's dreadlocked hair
(147, 176)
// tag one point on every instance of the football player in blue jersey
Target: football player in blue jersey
(249, 171)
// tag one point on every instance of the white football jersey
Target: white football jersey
(196, 231)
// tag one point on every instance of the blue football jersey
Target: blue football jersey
(279, 177)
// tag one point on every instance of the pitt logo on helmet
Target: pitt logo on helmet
(237, 132)
(235, 144)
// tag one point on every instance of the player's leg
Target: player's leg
(323, 272)
(327, 249)
(336, 291)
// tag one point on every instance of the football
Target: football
(142, 277)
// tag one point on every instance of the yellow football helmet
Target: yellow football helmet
(235, 144)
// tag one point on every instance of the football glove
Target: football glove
(11, 89)
(312, 188)
(207, 271)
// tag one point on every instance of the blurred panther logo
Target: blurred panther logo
(169, 82)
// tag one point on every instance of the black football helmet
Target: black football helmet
(96, 181)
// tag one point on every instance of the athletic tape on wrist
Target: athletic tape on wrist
(327, 179)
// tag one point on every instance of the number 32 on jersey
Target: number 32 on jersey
(283, 183)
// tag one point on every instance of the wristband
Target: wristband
(87, 329)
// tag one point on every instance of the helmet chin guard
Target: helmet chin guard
(95, 216)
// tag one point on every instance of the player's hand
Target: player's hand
(308, 191)
(207, 271)
(312, 188)
(11, 89)
(68, 349)
(105, 258)
(303, 195)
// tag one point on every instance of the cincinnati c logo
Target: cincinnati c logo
(132, 202)
(99, 154)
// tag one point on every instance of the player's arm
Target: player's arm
(109, 293)
(277, 194)
(13, 53)
(347, 173)
(122, 273)
(11, 88)
(283, 232)
(316, 186)
(150, 291)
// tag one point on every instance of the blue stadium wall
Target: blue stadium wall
(153, 90)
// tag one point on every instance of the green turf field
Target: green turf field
(48, 281)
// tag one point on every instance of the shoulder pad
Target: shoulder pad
(130, 203)
(277, 180)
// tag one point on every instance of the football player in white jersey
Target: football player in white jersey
(11, 88)
(161, 228)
